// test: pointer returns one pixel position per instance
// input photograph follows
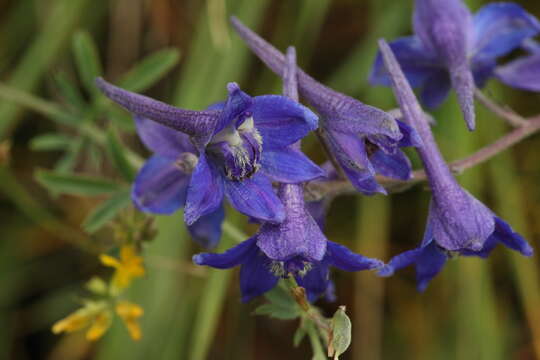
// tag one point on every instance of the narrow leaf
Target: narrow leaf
(68, 90)
(50, 141)
(75, 184)
(106, 211)
(118, 156)
(150, 69)
(299, 335)
(87, 60)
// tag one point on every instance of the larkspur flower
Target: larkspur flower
(458, 224)
(296, 246)
(453, 48)
(364, 140)
(237, 148)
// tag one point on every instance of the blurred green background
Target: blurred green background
(474, 310)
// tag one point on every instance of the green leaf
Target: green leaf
(67, 162)
(341, 333)
(87, 60)
(299, 335)
(50, 141)
(121, 118)
(150, 69)
(68, 90)
(97, 285)
(279, 295)
(118, 156)
(278, 312)
(106, 211)
(76, 184)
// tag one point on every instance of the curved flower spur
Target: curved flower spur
(234, 149)
(453, 48)
(364, 140)
(294, 247)
(458, 224)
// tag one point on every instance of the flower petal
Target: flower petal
(344, 259)
(500, 28)
(256, 277)
(161, 139)
(400, 261)
(435, 89)
(289, 166)
(207, 230)
(205, 191)
(281, 121)
(417, 62)
(255, 197)
(237, 102)
(522, 73)
(230, 258)
(429, 263)
(316, 281)
(199, 124)
(506, 235)
(160, 186)
(410, 136)
(396, 166)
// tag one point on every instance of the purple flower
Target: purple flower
(364, 139)
(234, 149)
(294, 247)
(457, 222)
(453, 48)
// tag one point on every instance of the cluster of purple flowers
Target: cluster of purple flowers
(238, 148)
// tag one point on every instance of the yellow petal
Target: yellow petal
(134, 329)
(71, 323)
(109, 261)
(127, 310)
(101, 324)
(127, 252)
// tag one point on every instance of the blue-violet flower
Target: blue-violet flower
(457, 223)
(236, 149)
(453, 48)
(295, 247)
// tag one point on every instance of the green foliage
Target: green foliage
(76, 184)
(87, 60)
(341, 333)
(108, 209)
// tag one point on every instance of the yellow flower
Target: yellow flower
(95, 316)
(129, 313)
(129, 266)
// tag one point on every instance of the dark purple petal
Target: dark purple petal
(483, 70)
(500, 28)
(489, 245)
(207, 230)
(298, 236)
(350, 152)
(435, 89)
(281, 121)
(205, 191)
(161, 139)
(396, 166)
(417, 62)
(344, 259)
(255, 197)
(315, 281)
(256, 277)
(400, 261)
(199, 124)
(230, 258)
(237, 103)
(513, 240)
(160, 186)
(523, 73)
(289, 166)
(429, 263)
(410, 136)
